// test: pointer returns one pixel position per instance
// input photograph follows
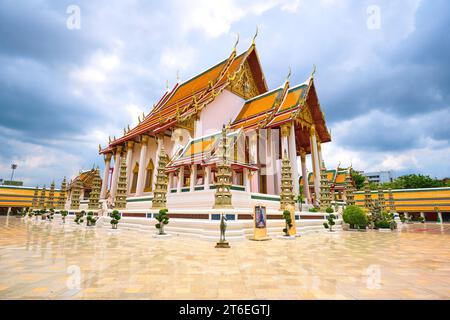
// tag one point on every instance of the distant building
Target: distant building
(379, 176)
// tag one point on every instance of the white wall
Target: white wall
(224, 108)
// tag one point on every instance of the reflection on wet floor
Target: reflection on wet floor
(43, 260)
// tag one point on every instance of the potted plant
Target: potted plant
(330, 223)
(64, 214)
(79, 217)
(287, 218)
(115, 217)
(163, 219)
(90, 219)
(356, 217)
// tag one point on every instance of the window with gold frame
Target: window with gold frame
(148, 187)
(134, 178)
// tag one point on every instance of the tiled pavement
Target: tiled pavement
(42, 260)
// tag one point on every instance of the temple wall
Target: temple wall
(221, 111)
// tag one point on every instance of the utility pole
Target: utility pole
(13, 167)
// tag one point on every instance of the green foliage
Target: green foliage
(163, 219)
(355, 216)
(79, 217)
(64, 213)
(382, 224)
(330, 223)
(421, 219)
(329, 210)
(115, 217)
(91, 219)
(287, 218)
(358, 179)
(313, 209)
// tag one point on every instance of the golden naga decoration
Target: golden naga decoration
(254, 37)
(99, 147)
(139, 119)
(236, 43)
(109, 139)
(313, 72)
(128, 127)
(124, 132)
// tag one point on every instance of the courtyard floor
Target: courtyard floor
(42, 260)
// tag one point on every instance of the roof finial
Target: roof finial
(289, 75)
(236, 43)
(99, 147)
(256, 34)
(313, 71)
(178, 76)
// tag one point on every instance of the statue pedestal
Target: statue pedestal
(222, 244)
(260, 238)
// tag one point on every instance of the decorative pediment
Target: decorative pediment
(244, 84)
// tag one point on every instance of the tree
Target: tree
(162, 219)
(115, 217)
(330, 223)
(287, 218)
(359, 179)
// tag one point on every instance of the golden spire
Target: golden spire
(236, 43)
(313, 71)
(289, 75)
(254, 37)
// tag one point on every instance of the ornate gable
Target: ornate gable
(244, 84)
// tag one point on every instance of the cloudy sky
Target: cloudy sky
(383, 73)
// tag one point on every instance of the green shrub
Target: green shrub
(288, 220)
(79, 217)
(329, 210)
(115, 217)
(162, 219)
(382, 224)
(330, 223)
(313, 210)
(90, 219)
(355, 216)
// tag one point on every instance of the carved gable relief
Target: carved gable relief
(244, 85)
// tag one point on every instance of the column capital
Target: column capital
(313, 130)
(302, 153)
(144, 138)
(285, 128)
(107, 156)
(118, 150)
(130, 145)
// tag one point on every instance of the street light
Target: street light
(13, 167)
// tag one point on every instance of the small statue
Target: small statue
(223, 227)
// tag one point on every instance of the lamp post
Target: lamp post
(13, 167)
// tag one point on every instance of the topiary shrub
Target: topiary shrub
(287, 218)
(115, 217)
(330, 223)
(355, 217)
(162, 219)
(79, 217)
(329, 210)
(90, 219)
(64, 214)
(313, 209)
(382, 224)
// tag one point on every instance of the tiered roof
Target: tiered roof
(335, 176)
(86, 177)
(203, 151)
(190, 97)
(284, 104)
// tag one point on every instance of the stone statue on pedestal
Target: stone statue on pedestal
(223, 227)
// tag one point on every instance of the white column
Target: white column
(193, 177)
(316, 166)
(319, 149)
(130, 145)
(271, 162)
(305, 176)
(207, 178)
(247, 180)
(293, 158)
(116, 171)
(254, 160)
(180, 179)
(159, 143)
(107, 158)
(142, 166)
(170, 181)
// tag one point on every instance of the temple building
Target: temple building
(185, 131)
